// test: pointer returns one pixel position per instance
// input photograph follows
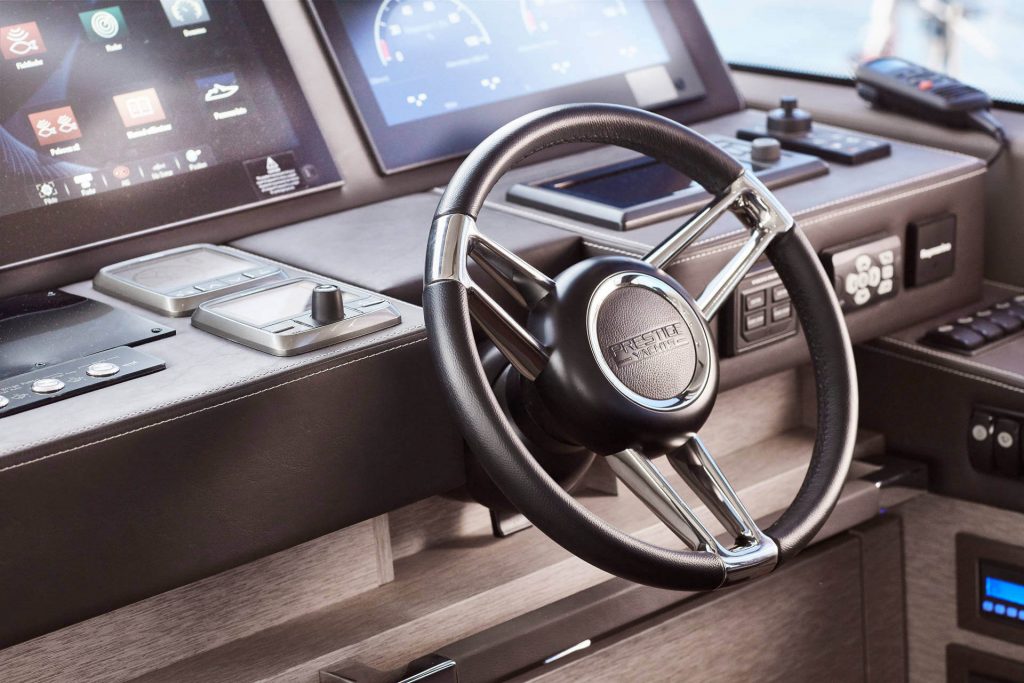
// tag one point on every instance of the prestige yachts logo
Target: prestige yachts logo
(650, 344)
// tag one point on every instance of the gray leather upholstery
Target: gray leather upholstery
(381, 246)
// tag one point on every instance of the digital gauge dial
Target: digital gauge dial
(541, 16)
(442, 30)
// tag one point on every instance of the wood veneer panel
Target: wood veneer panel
(155, 632)
(464, 585)
(805, 624)
(930, 526)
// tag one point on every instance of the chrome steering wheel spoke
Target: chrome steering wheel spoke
(751, 554)
(644, 479)
(759, 211)
(523, 282)
(455, 240)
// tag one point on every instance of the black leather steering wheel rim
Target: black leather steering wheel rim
(492, 438)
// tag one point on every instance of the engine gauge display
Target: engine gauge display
(431, 78)
(444, 29)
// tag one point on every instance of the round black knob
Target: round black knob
(789, 119)
(328, 304)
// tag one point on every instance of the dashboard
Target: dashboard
(162, 158)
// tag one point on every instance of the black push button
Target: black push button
(754, 321)
(759, 313)
(956, 337)
(781, 312)
(1010, 323)
(1013, 307)
(987, 329)
(1006, 448)
(754, 300)
(979, 440)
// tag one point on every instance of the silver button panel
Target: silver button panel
(47, 385)
(38, 388)
(103, 369)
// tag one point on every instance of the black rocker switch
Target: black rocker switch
(979, 440)
(328, 304)
(789, 119)
(1006, 447)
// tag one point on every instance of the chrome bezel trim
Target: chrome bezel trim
(453, 240)
(109, 282)
(701, 339)
(279, 344)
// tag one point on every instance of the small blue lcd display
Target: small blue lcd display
(1006, 591)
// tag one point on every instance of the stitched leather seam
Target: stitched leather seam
(885, 200)
(809, 221)
(943, 368)
(210, 407)
(572, 227)
(951, 357)
(330, 352)
(900, 184)
(201, 394)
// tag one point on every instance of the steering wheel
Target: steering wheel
(618, 357)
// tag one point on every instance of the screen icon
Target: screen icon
(139, 107)
(55, 125)
(47, 191)
(21, 40)
(185, 12)
(103, 25)
(218, 87)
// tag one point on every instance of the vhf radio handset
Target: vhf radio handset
(908, 88)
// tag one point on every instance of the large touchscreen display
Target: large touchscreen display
(431, 78)
(120, 116)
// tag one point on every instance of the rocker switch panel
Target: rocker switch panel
(979, 440)
(1006, 447)
(760, 313)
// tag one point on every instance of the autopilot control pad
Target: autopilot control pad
(866, 272)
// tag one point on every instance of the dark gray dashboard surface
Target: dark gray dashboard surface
(383, 246)
(909, 166)
(226, 456)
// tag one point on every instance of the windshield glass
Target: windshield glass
(980, 42)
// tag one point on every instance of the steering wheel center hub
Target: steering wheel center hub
(648, 341)
(631, 361)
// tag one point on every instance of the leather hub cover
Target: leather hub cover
(646, 342)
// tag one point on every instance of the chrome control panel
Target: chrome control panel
(176, 281)
(295, 316)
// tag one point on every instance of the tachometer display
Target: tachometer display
(542, 16)
(441, 29)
